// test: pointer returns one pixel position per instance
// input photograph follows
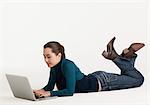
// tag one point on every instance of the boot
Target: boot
(129, 52)
(110, 54)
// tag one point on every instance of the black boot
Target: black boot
(110, 54)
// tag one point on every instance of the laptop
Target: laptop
(21, 88)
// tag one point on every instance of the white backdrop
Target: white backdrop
(84, 28)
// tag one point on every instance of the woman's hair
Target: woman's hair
(56, 48)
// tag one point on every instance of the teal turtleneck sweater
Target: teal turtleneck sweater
(69, 79)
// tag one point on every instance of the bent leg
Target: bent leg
(117, 82)
(112, 81)
(130, 77)
(127, 66)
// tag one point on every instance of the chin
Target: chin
(50, 66)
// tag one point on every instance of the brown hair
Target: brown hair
(56, 48)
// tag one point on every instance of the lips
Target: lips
(49, 64)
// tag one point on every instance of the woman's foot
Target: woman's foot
(128, 52)
(110, 54)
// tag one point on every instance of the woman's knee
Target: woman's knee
(140, 81)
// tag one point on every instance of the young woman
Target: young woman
(69, 79)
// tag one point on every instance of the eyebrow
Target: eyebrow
(46, 54)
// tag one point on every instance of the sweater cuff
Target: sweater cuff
(53, 93)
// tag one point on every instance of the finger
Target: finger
(42, 90)
(42, 96)
(38, 94)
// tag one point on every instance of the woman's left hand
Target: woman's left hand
(43, 93)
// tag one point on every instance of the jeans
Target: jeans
(130, 77)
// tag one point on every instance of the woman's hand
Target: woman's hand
(38, 91)
(45, 94)
(42, 93)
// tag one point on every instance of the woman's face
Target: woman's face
(51, 58)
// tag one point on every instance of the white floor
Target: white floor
(135, 96)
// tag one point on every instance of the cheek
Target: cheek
(50, 61)
(53, 62)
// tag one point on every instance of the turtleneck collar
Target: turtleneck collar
(58, 64)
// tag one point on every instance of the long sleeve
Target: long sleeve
(51, 82)
(69, 74)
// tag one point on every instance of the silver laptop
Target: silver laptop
(21, 88)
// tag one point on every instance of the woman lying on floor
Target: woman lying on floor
(69, 79)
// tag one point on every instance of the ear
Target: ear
(59, 54)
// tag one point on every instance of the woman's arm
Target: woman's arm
(69, 73)
(51, 81)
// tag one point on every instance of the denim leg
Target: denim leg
(101, 78)
(128, 78)
(127, 66)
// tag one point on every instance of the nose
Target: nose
(46, 60)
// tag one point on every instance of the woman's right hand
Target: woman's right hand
(38, 92)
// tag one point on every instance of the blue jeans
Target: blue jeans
(130, 77)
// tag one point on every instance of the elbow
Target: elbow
(70, 93)
(67, 94)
